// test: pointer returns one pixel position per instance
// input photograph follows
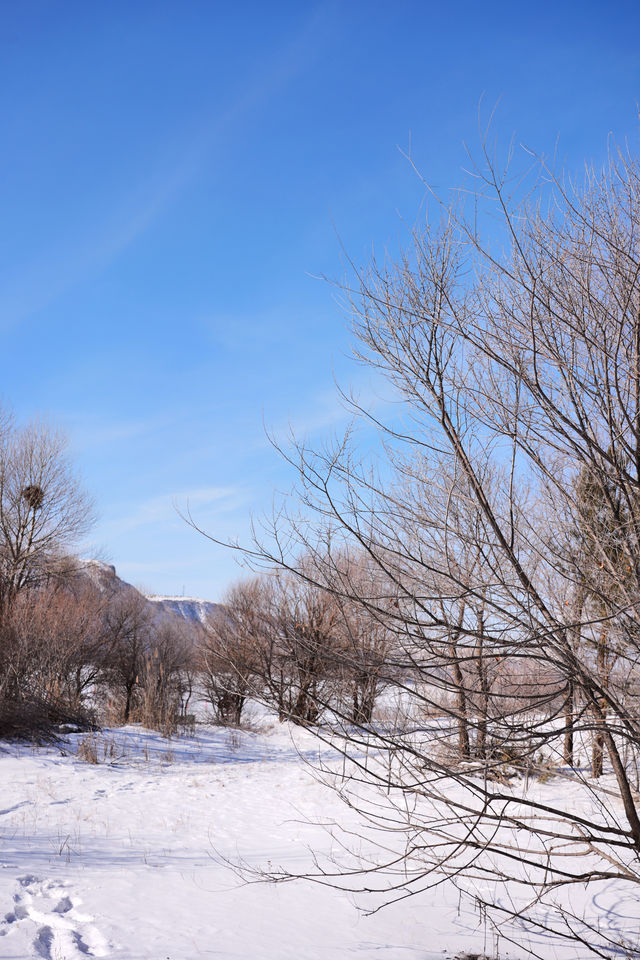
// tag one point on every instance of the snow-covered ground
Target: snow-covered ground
(125, 858)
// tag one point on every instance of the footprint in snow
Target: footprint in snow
(48, 913)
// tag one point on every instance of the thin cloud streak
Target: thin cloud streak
(87, 434)
(165, 509)
(329, 409)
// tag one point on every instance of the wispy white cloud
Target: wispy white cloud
(164, 510)
(89, 433)
(158, 551)
(324, 411)
(93, 247)
(329, 409)
(132, 569)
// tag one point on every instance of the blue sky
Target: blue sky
(175, 176)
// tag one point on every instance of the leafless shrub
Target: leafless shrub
(31, 718)
(162, 678)
(53, 644)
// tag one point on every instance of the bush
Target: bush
(39, 720)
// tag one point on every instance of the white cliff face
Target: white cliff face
(190, 608)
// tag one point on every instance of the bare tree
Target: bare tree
(149, 663)
(164, 675)
(128, 625)
(364, 651)
(299, 660)
(46, 634)
(231, 650)
(43, 510)
(514, 375)
(292, 645)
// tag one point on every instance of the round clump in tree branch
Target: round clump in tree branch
(33, 494)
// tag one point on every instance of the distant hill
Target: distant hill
(192, 609)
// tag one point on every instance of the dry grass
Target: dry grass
(88, 750)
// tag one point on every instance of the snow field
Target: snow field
(127, 858)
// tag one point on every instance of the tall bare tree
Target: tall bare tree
(514, 373)
(43, 509)
(233, 649)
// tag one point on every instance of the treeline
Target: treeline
(84, 649)
(318, 639)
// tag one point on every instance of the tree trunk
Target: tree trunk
(597, 751)
(569, 706)
(462, 716)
